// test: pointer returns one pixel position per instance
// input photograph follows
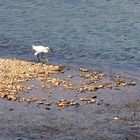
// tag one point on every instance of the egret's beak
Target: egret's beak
(51, 50)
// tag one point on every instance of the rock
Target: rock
(61, 105)
(83, 70)
(82, 99)
(69, 76)
(62, 100)
(100, 86)
(11, 109)
(43, 99)
(132, 83)
(115, 118)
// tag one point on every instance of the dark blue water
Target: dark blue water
(96, 33)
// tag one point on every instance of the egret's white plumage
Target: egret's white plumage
(40, 50)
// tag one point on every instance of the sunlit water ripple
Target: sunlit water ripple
(99, 33)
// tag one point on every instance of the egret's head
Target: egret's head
(46, 49)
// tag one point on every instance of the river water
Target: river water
(96, 33)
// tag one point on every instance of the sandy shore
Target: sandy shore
(40, 101)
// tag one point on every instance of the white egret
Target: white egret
(40, 50)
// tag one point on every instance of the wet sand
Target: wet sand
(69, 103)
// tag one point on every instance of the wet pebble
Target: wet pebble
(14, 73)
(83, 70)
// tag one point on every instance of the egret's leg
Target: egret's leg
(38, 57)
(42, 56)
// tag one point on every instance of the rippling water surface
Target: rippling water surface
(99, 33)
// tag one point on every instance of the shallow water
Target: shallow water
(99, 33)
(102, 34)
(27, 121)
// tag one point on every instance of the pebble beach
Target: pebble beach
(15, 73)
(32, 89)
